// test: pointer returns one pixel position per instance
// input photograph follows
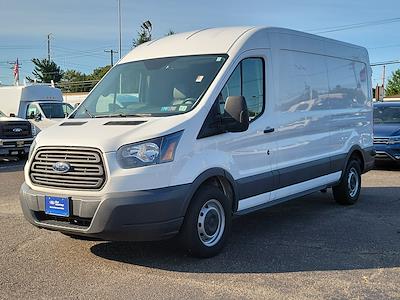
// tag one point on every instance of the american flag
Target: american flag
(16, 71)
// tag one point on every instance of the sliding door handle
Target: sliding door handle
(269, 129)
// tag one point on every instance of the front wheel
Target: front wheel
(207, 223)
(348, 190)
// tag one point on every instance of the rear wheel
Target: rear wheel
(348, 190)
(207, 222)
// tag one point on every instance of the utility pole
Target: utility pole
(111, 51)
(119, 29)
(383, 76)
(48, 46)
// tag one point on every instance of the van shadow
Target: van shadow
(308, 234)
(387, 165)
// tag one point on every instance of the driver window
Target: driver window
(247, 80)
(32, 111)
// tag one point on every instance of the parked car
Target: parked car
(42, 105)
(16, 135)
(189, 130)
(387, 131)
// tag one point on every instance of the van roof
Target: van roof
(209, 40)
(218, 41)
(34, 92)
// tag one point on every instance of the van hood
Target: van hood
(12, 119)
(386, 130)
(107, 134)
(45, 123)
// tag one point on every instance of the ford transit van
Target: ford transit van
(187, 131)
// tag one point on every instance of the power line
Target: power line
(384, 63)
(354, 25)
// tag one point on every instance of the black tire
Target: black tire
(204, 221)
(348, 190)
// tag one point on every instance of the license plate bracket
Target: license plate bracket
(57, 206)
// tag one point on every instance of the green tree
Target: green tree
(393, 85)
(143, 36)
(98, 73)
(74, 81)
(170, 32)
(74, 75)
(46, 71)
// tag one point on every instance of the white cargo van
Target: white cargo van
(42, 104)
(191, 129)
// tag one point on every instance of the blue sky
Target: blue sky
(82, 30)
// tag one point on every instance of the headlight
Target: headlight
(155, 151)
(33, 127)
(394, 140)
(31, 149)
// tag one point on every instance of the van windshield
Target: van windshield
(56, 110)
(154, 87)
(386, 114)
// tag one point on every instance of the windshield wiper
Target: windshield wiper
(87, 111)
(121, 115)
(137, 115)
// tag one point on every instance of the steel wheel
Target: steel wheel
(211, 222)
(353, 182)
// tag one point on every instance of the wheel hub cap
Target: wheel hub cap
(353, 182)
(211, 223)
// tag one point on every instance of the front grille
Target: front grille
(15, 129)
(86, 168)
(378, 140)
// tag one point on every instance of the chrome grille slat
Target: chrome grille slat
(65, 185)
(381, 140)
(63, 177)
(87, 168)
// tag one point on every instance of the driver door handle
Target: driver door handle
(269, 129)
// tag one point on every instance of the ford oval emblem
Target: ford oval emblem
(61, 167)
(16, 130)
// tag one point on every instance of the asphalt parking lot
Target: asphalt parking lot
(308, 248)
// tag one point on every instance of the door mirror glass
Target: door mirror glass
(236, 116)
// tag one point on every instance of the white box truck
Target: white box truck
(189, 130)
(41, 104)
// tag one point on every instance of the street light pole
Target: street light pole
(119, 27)
(48, 46)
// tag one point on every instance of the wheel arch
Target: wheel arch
(355, 152)
(218, 177)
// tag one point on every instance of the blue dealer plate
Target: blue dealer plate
(56, 206)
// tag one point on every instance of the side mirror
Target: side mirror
(38, 117)
(236, 114)
(12, 115)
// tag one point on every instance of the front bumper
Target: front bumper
(130, 216)
(387, 152)
(15, 146)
